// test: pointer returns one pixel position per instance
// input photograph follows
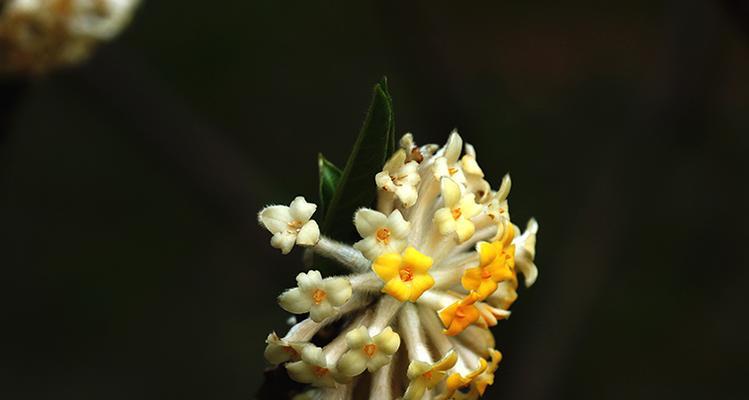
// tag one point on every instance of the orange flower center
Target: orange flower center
(485, 273)
(291, 351)
(370, 349)
(383, 235)
(319, 371)
(295, 226)
(460, 313)
(318, 296)
(456, 213)
(406, 274)
(427, 375)
(452, 170)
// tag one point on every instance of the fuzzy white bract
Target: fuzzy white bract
(436, 266)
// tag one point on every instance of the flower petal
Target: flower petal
(387, 341)
(395, 162)
(418, 261)
(310, 281)
(450, 192)
(275, 218)
(399, 227)
(300, 372)
(295, 301)
(357, 338)
(301, 210)
(367, 221)
(420, 284)
(338, 290)
(396, 288)
(377, 361)
(464, 229)
(453, 147)
(283, 241)
(352, 363)
(387, 266)
(309, 235)
(319, 312)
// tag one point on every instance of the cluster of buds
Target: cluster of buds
(436, 266)
(39, 35)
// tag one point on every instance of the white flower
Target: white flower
(312, 368)
(320, 297)
(446, 164)
(291, 224)
(366, 352)
(458, 211)
(380, 233)
(400, 177)
(525, 252)
(279, 350)
(474, 176)
(498, 208)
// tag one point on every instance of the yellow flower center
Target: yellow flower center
(370, 349)
(456, 213)
(406, 274)
(452, 170)
(319, 371)
(318, 296)
(383, 235)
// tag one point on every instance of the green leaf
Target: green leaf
(329, 177)
(356, 187)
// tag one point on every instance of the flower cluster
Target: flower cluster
(39, 35)
(437, 265)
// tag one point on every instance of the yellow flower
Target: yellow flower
(496, 264)
(487, 377)
(459, 315)
(405, 276)
(424, 376)
(456, 381)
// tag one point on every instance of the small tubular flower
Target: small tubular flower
(312, 368)
(424, 376)
(474, 176)
(290, 225)
(400, 178)
(526, 252)
(496, 264)
(380, 233)
(487, 377)
(456, 381)
(367, 353)
(278, 351)
(320, 297)
(405, 276)
(458, 211)
(459, 315)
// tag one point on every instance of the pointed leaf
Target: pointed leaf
(356, 187)
(329, 177)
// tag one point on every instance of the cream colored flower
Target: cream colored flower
(424, 376)
(525, 252)
(366, 352)
(458, 211)
(474, 176)
(291, 224)
(400, 178)
(312, 368)
(279, 351)
(381, 234)
(320, 297)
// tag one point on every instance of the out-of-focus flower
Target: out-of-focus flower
(39, 35)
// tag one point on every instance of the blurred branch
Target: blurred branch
(11, 94)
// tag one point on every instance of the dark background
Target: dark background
(133, 267)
